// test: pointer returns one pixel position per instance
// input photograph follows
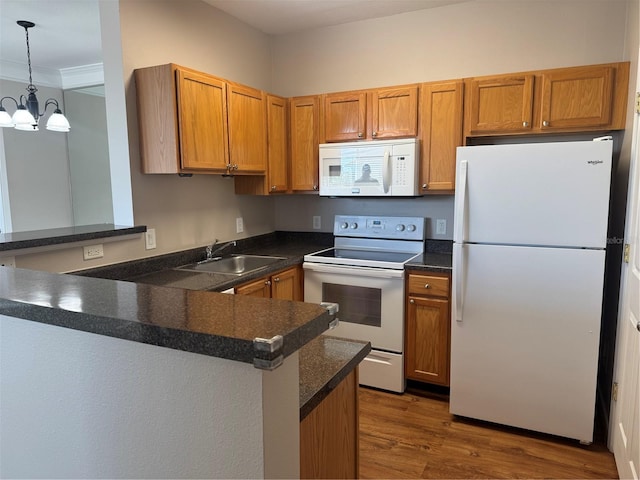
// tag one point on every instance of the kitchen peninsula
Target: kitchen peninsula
(106, 378)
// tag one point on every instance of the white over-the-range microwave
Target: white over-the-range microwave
(378, 168)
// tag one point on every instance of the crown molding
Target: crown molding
(65, 78)
(82, 76)
(19, 72)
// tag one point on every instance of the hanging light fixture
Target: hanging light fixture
(27, 111)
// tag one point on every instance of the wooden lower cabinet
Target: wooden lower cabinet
(428, 328)
(284, 285)
(329, 434)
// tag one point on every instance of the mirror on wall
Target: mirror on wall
(52, 179)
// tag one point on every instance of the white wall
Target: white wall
(80, 405)
(89, 158)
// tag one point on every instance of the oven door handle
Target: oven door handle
(354, 271)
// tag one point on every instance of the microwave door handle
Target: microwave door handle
(386, 171)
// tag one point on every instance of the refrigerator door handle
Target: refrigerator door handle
(460, 210)
(458, 273)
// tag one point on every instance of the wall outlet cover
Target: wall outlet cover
(441, 226)
(8, 262)
(239, 225)
(89, 252)
(317, 222)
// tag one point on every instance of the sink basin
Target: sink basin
(235, 265)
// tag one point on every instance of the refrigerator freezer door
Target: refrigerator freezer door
(525, 351)
(554, 194)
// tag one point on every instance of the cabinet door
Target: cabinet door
(345, 116)
(427, 341)
(287, 285)
(394, 112)
(247, 129)
(577, 97)
(441, 130)
(202, 118)
(260, 288)
(303, 135)
(502, 104)
(329, 434)
(277, 144)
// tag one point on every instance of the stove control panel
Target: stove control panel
(398, 228)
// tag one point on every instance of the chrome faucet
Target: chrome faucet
(211, 253)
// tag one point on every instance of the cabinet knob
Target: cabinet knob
(315, 187)
(374, 134)
(277, 279)
(412, 301)
(426, 285)
(268, 282)
(360, 135)
(235, 166)
(545, 124)
(424, 185)
(273, 187)
(525, 124)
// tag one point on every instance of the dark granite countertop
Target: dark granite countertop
(291, 246)
(201, 322)
(57, 236)
(324, 363)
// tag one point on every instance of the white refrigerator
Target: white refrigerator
(530, 232)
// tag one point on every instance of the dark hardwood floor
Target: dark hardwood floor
(414, 436)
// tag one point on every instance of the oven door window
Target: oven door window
(359, 305)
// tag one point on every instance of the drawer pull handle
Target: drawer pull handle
(426, 285)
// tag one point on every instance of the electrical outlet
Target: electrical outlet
(92, 251)
(317, 222)
(239, 225)
(150, 239)
(441, 226)
(8, 262)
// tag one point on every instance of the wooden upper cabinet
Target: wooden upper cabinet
(345, 116)
(394, 112)
(182, 120)
(247, 118)
(304, 117)
(202, 121)
(573, 99)
(277, 148)
(441, 134)
(580, 97)
(499, 104)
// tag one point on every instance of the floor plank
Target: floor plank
(414, 436)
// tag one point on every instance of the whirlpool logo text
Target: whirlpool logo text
(594, 162)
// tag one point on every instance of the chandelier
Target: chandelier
(27, 111)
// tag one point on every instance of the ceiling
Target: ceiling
(60, 39)
(278, 17)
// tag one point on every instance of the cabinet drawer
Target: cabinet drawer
(428, 285)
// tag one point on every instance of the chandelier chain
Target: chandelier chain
(26, 32)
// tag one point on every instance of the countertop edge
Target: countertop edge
(331, 378)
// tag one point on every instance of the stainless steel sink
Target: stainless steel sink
(235, 265)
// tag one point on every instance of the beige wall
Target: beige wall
(471, 38)
(467, 39)
(185, 212)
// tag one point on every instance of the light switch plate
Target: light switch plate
(150, 239)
